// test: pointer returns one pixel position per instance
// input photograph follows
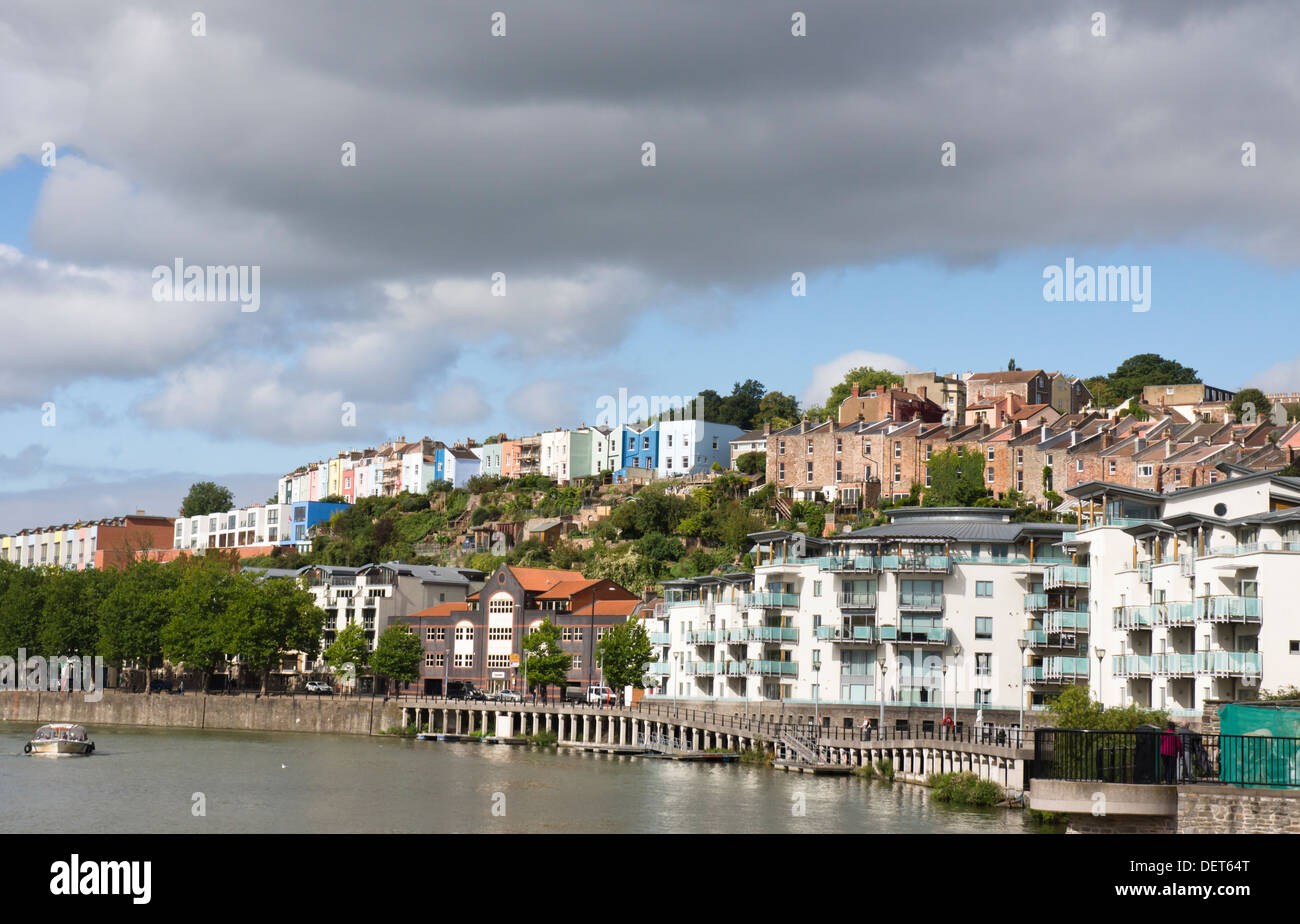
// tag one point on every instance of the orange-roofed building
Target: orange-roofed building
(481, 641)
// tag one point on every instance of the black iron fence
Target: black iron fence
(1152, 755)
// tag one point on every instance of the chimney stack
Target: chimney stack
(803, 424)
(921, 391)
(767, 428)
(853, 392)
(1042, 433)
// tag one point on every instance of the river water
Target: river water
(146, 780)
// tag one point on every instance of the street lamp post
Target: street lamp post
(956, 655)
(1020, 690)
(943, 697)
(1101, 653)
(884, 669)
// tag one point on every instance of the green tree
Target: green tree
(398, 654)
(956, 478)
(1075, 708)
(20, 611)
(866, 379)
(193, 634)
(623, 653)
(207, 497)
(778, 409)
(70, 609)
(1260, 408)
(132, 616)
(752, 463)
(265, 618)
(548, 664)
(1136, 372)
(347, 654)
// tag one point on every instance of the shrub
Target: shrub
(885, 768)
(964, 789)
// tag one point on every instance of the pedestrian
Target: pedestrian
(1169, 748)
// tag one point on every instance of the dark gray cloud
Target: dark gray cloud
(522, 155)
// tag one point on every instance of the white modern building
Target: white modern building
(925, 611)
(1192, 595)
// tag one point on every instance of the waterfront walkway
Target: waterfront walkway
(996, 754)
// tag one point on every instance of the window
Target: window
(1295, 646)
(577, 662)
(983, 697)
(809, 447)
(927, 476)
(464, 633)
(839, 444)
(432, 634)
(1178, 474)
(1078, 465)
(810, 471)
(983, 626)
(838, 469)
(990, 453)
(898, 474)
(898, 449)
(817, 588)
(780, 447)
(685, 462)
(670, 439)
(866, 447)
(501, 634)
(990, 476)
(983, 664)
(498, 660)
(1110, 467)
(1145, 471)
(463, 660)
(571, 634)
(715, 442)
(983, 588)
(780, 471)
(1020, 457)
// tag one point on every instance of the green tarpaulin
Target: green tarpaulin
(1267, 753)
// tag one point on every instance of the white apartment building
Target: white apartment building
(1193, 595)
(925, 611)
(264, 524)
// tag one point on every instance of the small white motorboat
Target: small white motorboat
(61, 739)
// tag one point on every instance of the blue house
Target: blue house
(640, 448)
(307, 514)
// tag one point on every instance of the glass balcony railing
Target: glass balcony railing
(1173, 665)
(702, 667)
(920, 601)
(763, 634)
(1041, 638)
(867, 634)
(1065, 576)
(1177, 614)
(770, 599)
(1228, 663)
(924, 635)
(1134, 617)
(1065, 669)
(1035, 601)
(916, 563)
(888, 633)
(739, 668)
(1066, 621)
(708, 637)
(857, 600)
(847, 563)
(660, 638)
(1229, 609)
(658, 668)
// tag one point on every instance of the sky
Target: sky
(379, 311)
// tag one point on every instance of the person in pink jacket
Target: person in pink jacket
(1170, 747)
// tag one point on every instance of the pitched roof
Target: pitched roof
(542, 579)
(442, 609)
(1005, 378)
(566, 589)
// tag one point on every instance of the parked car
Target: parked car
(160, 686)
(602, 695)
(463, 689)
(320, 686)
(507, 696)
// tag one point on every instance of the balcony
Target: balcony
(763, 634)
(859, 601)
(1135, 617)
(684, 601)
(929, 563)
(702, 667)
(867, 635)
(708, 637)
(659, 668)
(1173, 665)
(1176, 615)
(1035, 601)
(766, 668)
(926, 636)
(1131, 666)
(1228, 663)
(921, 603)
(838, 563)
(1227, 608)
(771, 600)
(661, 638)
(1065, 576)
(1041, 638)
(1064, 670)
(1066, 621)
(1144, 571)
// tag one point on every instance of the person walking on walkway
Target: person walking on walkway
(1169, 748)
